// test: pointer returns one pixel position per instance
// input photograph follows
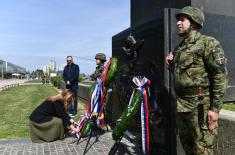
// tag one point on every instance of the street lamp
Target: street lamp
(2, 68)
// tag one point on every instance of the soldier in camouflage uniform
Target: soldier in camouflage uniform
(100, 60)
(200, 80)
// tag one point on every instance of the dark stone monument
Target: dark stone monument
(141, 10)
(154, 21)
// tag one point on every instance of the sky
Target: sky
(33, 32)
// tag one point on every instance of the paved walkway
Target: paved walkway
(9, 82)
(100, 147)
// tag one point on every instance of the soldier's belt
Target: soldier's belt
(191, 92)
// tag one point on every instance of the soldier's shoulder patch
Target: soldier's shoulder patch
(219, 58)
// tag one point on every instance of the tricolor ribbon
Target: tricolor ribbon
(96, 101)
(81, 123)
(141, 83)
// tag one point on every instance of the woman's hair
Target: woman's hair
(65, 95)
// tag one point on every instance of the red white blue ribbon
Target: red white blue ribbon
(141, 84)
(81, 123)
(96, 101)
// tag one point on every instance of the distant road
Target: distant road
(6, 82)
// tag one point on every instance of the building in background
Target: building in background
(49, 68)
(61, 69)
(46, 69)
(52, 66)
(8, 70)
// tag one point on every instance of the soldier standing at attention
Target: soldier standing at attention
(100, 60)
(200, 79)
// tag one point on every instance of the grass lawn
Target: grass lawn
(229, 106)
(34, 81)
(17, 104)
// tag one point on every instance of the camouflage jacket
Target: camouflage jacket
(97, 72)
(199, 62)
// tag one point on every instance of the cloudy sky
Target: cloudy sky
(32, 32)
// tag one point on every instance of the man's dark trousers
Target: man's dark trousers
(74, 89)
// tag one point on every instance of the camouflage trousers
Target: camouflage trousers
(196, 139)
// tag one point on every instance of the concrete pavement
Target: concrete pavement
(9, 82)
(100, 147)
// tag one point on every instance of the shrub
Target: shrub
(56, 81)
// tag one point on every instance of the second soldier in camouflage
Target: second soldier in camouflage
(100, 60)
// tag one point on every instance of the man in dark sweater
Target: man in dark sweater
(71, 76)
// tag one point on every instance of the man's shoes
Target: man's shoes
(72, 115)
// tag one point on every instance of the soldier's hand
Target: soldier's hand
(169, 58)
(212, 119)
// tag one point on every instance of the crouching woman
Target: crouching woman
(49, 120)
